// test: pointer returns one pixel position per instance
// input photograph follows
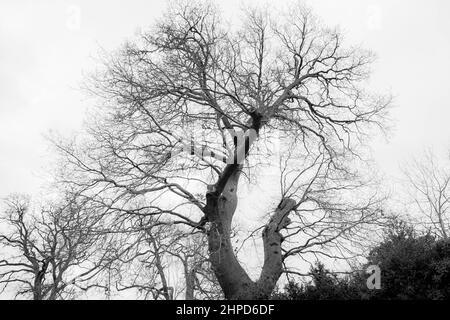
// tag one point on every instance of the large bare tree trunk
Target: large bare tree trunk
(235, 282)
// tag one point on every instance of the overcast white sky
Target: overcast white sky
(46, 45)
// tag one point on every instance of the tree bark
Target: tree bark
(272, 240)
(233, 279)
(38, 290)
(190, 282)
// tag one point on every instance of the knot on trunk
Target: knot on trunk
(210, 188)
(281, 219)
(287, 204)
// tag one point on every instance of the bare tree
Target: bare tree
(52, 252)
(429, 183)
(161, 253)
(190, 111)
(200, 281)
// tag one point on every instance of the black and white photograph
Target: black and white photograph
(237, 158)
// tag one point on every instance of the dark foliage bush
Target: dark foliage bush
(412, 267)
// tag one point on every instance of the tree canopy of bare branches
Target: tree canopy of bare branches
(192, 105)
(51, 253)
(429, 182)
(167, 263)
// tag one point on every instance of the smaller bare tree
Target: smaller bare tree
(429, 190)
(161, 251)
(200, 281)
(51, 252)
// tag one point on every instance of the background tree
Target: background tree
(191, 107)
(53, 252)
(160, 256)
(429, 182)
